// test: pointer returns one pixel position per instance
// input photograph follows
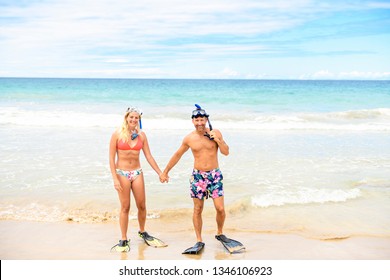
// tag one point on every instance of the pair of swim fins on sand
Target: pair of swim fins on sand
(233, 246)
(123, 245)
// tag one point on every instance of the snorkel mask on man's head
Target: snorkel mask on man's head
(199, 112)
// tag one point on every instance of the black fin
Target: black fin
(194, 249)
(233, 246)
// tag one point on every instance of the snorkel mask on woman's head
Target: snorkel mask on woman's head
(134, 109)
(138, 111)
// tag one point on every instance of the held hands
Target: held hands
(164, 178)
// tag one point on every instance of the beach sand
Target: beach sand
(24, 240)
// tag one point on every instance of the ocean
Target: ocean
(306, 157)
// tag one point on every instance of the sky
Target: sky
(202, 39)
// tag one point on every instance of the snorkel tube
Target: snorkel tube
(208, 121)
(139, 111)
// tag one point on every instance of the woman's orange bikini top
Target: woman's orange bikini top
(125, 146)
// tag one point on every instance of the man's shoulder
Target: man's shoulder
(189, 136)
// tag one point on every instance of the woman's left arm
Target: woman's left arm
(148, 154)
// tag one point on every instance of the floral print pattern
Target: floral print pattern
(205, 184)
(130, 175)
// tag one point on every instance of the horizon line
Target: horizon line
(214, 79)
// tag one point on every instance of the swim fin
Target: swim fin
(122, 246)
(194, 250)
(233, 246)
(151, 240)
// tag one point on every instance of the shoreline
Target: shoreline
(25, 240)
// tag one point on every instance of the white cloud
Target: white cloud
(323, 74)
(228, 72)
(63, 37)
(364, 75)
(116, 60)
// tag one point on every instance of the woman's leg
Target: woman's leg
(138, 188)
(124, 199)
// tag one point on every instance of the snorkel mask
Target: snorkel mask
(199, 112)
(139, 112)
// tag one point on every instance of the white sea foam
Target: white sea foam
(304, 196)
(47, 118)
(360, 120)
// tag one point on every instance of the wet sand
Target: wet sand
(23, 240)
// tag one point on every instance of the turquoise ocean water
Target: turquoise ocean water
(306, 157)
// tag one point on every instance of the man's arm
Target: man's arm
(175, 158)
(223, 147)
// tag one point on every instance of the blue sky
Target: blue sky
(246, 39)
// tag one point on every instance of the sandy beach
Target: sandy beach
(307, 179)
(297, 99)
(72, 241)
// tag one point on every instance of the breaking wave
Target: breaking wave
(358, 120)
(304, 196)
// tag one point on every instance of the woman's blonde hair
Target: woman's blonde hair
(124, 129)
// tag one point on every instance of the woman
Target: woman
(125, 147)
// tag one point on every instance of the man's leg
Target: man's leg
(220, 209)
(197, 218)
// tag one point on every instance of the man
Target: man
(206, 180)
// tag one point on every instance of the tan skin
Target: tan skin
(129, 160)
(205, 152)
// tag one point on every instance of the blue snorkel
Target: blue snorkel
(203, 112)
(135, 135)
(135, 109)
